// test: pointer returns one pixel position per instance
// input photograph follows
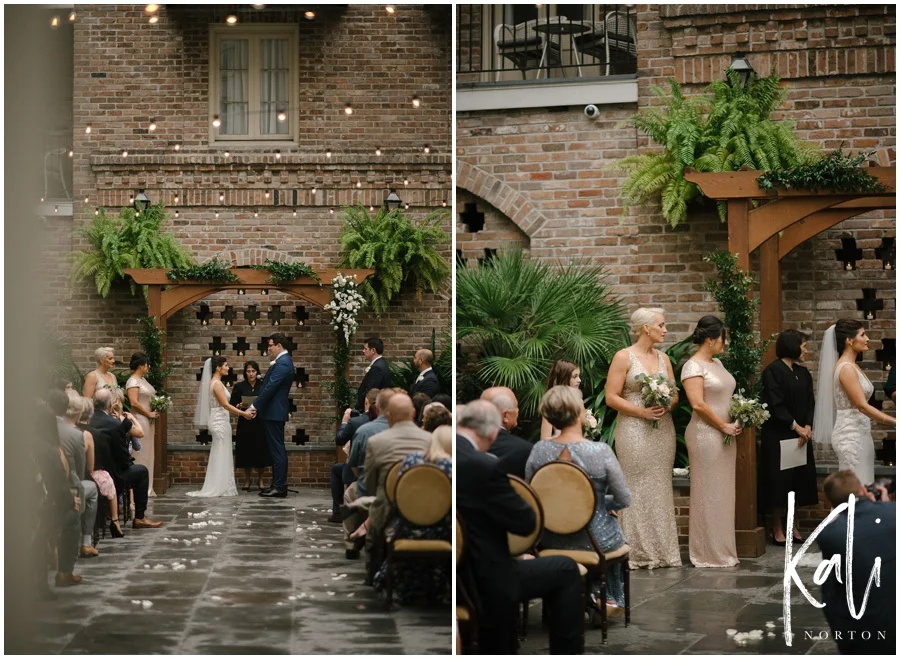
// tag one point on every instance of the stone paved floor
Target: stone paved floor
(237, 597)
(687, 610)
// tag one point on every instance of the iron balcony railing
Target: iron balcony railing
(537, 43)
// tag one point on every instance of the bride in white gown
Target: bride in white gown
(212, 412)
(842, 408)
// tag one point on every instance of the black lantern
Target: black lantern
(741, 65)
(141, 202)
(392, 201)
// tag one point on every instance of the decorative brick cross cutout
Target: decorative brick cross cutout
(300, 437)
(289, 344)
(300, 376)
(275, 315)
(472, 218)
(231, 378)
(204, 315)
(241, 346)
(204, 437)
(849, 253)
(869, 304)
(263, 346)
(300, 314)
(216, 346)
(229, 315)
(888, 452)
(292, 406)
(887, 254)
(887, 355)
(251, 314)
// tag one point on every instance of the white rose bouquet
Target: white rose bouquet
(590, 424)
(746, 412)
(656, 391)
(346, 301)
(160, 403)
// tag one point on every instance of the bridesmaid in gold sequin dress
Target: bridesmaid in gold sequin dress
(646, 454)
(709, 388)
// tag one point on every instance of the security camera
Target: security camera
(591, 111)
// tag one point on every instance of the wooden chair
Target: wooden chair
(424, 496)
(467, 625)
(390, 484)
(568, 498)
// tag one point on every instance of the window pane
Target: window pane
(273, 85)
(234, 86)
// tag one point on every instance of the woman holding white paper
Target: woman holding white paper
(787, 389)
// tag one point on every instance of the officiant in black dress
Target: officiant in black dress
(787, 389)
(251, 450)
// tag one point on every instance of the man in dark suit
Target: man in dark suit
(874, 535)
(427, 382)
(120, 464)
(272, 405)
(513, 451)
(378, 372)
(341, 473)
(489, 508)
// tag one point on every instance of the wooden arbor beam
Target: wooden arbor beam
(165, 298)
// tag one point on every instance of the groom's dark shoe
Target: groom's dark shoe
(272, 492)
(263, 490)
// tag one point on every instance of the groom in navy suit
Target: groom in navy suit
(272, 405)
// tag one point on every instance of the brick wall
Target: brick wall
(187, 466)
(127, 71)
(544, 168)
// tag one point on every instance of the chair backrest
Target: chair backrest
(390, 485)
(567, 496)
(460, 541)
(522, 544)
(424, 495)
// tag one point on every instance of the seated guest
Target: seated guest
(419, 400)
(512, 450)
(427, 382)
(72, 443)
(874, 536)
(434, 416)
(117, 411)
(444, 400)
(356, 462)
(563, 407)
(114, 433)
(489, 508)
(417, 578)
(59, 521)
(341, 474)
(104, 481)
(382, 451)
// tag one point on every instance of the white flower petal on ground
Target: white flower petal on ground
(731, 632)
(330, 592)
(770, 625)
(159, 566)
(292, 598)
(136, 602)
(193, 561)
(215, 598)
(146, 566)
(146, 604)
(770, 634)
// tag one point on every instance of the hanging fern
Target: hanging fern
(399, 249)
(215, 271)
(127, 241)
(725, 129)
(282, 273)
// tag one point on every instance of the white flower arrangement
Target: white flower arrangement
(590, 423)
(746, 412)
(679, 472)
(161, 403)
(656, 391)
(346, 302)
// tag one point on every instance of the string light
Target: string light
(96, 211)
(154, 20)
(371, 208)
(42, 200)
(406, 205)
(427, 149)
(221, 197)
(389, 9)
(71, 153)
(177, 147)
(176, 213)
(377, 151)
(216, 121)
(56, 209)
(359, 184)
(314, 190)
(267, 195)
(151, 9)
(231, 19)
(228, 154)
(309, 15)
(277, 154)
(131, 200)
(54, 22)
(87, 129)
(176, 197)
(282, 115)
(217, 215)
(331, 210)
(327, 153)
(444, 204)
(348, 109)
(295, 212)
(406, 181)
(152, 126)
(416, 101)
(256, 213)
(86, 200)
(72, 17)
(124, 153)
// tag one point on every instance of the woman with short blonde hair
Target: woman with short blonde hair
(102, 376)
(645, 443)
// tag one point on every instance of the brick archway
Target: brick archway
(501, 196)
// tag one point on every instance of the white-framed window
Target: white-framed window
(253, 83)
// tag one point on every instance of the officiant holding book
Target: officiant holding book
(251, 448)
(787, 388)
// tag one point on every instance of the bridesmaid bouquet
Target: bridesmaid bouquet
(160, 403)
(746, 412)
(590, 424)
(656, 391)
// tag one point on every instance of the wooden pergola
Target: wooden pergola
(776, 226)
(165, 298)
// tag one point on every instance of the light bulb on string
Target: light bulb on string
(176, 214)
(231, 19)
(331, 210)
(359, 184)
(177, 197)
(216, 122)
(389, 9)
(267, 195)
(371, 208)
(56, 209)
(154, 20)
(295, 212)
(406, 205)
(54, 22)
(348, 109)
(309, 15)
(86, 200)
(87, 129)
(327, 153)
(227, 154)
(406, 181)
(255, 213)
(377, 151)
(96, 211)
(416, 102)
(177, 147)
(131, 200)
(314, 190)
(217, 215)
(124, 153)
(282, 115)
(444, 204)
(221, 197)
(152, 126)
(71, 153)
(72, 17)
(277, 154)
(151, 9)
(427, 149)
